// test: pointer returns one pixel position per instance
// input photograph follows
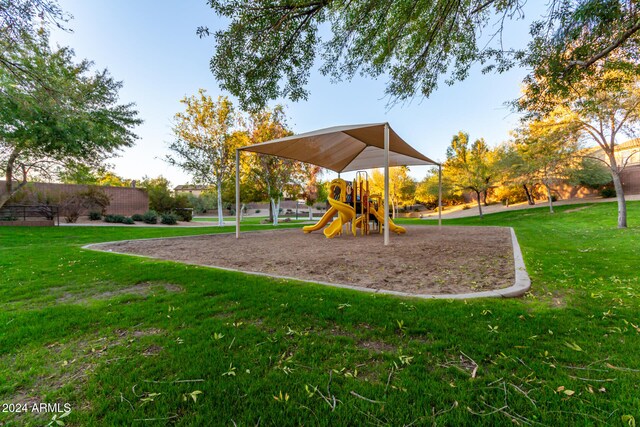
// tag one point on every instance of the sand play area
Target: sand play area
(425, 260)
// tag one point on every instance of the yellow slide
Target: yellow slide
(345, 214)
(379, 214)
(323, 221)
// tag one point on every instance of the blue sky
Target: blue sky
(152, 47)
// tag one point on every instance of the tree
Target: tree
(590, 173)
(18, 31)
(275, 174)
(515, 172)
(78, 174)
(548, 148)
(205, 144)
(310, 191)
(160, 197)
(269, 47)
(402, 187)
(83, 123)
(471, 167)
(427, 190)
(605, 104)
(578, 38)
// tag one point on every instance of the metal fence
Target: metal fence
(30, 212)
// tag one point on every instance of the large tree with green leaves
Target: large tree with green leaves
(402, 188)
(205, 143)
(274, 174)
(605, 104)
(270, 47)
(21, 21)
(548, 149)
(471, 167)
(60, 112)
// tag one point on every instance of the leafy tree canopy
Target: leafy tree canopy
(82, 123)
(270, 46)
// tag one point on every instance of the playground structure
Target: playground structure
(356, 209)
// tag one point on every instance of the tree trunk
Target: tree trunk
(479, 203)
(310, 212)
(484, 198)
(275, 208)
(549, 197)
(529, 196)
(622, 204)
(270, 203)
(8, 185)
(242, 208)
(220, 213)
(4, 198)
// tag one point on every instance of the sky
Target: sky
(153, 48)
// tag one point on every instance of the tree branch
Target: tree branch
(624, 37)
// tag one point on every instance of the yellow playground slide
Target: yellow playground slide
(345, 214)
(379, 214)
(323, 221)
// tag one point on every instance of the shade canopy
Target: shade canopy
(344, 148)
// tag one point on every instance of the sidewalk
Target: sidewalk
(458, 212)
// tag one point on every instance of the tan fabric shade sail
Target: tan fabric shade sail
(344, 148)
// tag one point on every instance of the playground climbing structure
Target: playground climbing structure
(355, 208)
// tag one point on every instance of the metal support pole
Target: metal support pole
(237, 194)
(386, 184)
(440, 195)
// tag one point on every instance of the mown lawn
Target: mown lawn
(132, 341)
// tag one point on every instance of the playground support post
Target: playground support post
(440, 195)
(237, 193)
(386, 184)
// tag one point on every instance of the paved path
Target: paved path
(457, 212)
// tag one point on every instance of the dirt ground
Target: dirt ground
(425, 260)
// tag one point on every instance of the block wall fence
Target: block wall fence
(124, 200)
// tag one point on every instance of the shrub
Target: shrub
(114, 218)
(137, 217)
(128, 221)
(169, 219)
(607, 192)
(71, 205)
(184, 214)
(257, 211)
(96, 199)
(150, 217)
(95, 216)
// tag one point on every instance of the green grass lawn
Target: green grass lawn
(133, 341)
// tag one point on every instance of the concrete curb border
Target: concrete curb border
(521, 285)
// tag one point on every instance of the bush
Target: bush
(169, 219)
(118, 219)
(257, 211)
(95, 198)
(607, 192)
(128, 221)
(137, 217)
(150, 217)
(184, 214)
(95, 216)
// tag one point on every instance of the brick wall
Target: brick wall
(124, 200)
(630, 177)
